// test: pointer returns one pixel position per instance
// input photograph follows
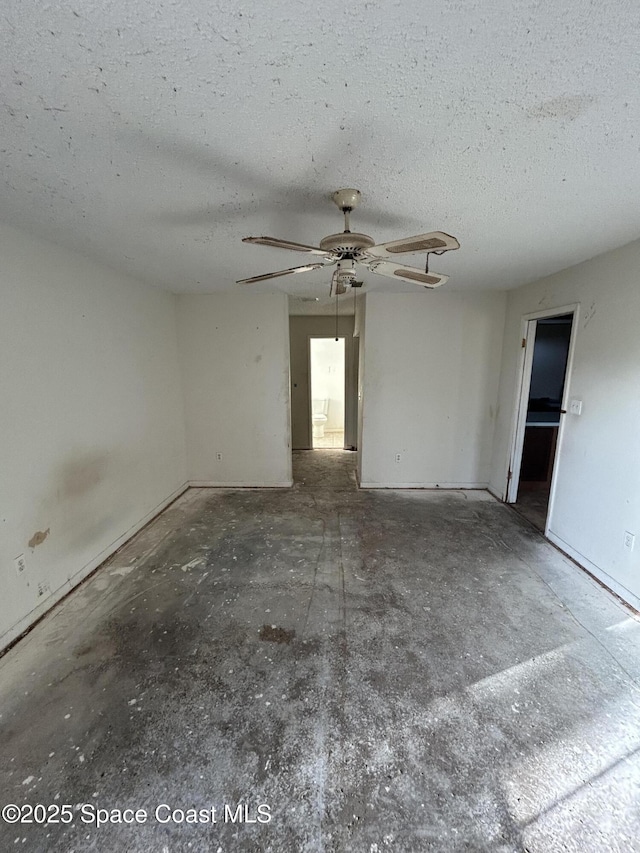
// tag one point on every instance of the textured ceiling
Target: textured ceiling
(153, 136)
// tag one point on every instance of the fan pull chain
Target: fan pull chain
(336, 314)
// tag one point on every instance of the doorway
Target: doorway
(302, 330)
(327, 386)
(548, 345)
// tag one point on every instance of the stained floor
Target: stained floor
(377, 670)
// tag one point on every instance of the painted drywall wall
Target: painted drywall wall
(234, 355)
(301, 328)
(597, 493)
(430, 388)
(91, 422)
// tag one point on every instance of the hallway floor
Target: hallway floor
(333, 438)
(533, 504)
(385, 670)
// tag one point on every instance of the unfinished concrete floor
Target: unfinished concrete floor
(385, 670)
(533, 504)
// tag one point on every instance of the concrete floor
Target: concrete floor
(533, 504)
(385, 670)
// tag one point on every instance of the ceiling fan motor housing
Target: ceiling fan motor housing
(347, 243)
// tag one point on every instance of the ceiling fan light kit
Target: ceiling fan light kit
(346, 249)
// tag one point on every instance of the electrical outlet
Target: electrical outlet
(575, 407)
(398, 457)
(20, 565)
(219, 457)
(43, 588)
(629, 540)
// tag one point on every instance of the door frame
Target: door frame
(528, 329)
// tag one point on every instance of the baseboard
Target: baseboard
(599, 574)
(438, 487)
(77, 577)
(215, 484)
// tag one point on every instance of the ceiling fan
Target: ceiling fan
(347, 249)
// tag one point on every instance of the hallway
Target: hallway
(385, 670)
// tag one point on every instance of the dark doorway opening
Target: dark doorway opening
(544, 412)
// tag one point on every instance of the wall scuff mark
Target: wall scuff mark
(38, 538)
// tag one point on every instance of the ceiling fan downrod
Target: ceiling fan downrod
(346, 199)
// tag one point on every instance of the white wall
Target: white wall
(234, 353)
(597, 496)
(430, 387)
(91, 422)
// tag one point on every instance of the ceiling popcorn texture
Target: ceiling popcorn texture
(153, 136)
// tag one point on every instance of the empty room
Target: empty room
(319, 435)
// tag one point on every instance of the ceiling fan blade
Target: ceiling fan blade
(291, 271)
(434, 241)
(415, 276)
(284, 244)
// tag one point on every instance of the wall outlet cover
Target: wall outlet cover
(43, 588)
